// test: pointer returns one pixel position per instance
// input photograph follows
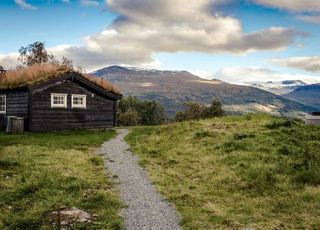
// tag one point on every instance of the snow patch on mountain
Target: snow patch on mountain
(279, 87)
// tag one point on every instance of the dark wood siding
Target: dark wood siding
(17, 105)
(98, 114)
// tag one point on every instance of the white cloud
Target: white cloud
(23, 4)
(310, 64)
(315, 19)
(146, 27)
(302, 7)
(174, 30)
(89, 3)
(293, 5)
(247, 75)
(9, 60)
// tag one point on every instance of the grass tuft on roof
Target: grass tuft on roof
(40, 73)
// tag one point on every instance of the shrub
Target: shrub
(132, 111)
(287, 123)
(197, 111)
(129, 117)
(215, 110)
(194, 111)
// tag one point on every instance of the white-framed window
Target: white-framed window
(3, 104)
(58, 100)
(78, 101)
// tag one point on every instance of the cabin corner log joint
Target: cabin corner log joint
(70, 101)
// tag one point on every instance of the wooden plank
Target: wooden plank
(98, 114)
(16, 105)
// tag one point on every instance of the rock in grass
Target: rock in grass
(69, 216)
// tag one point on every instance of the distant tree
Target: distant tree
(66, 62)
(153, 113)
(215, 110)
(129, 102)
(143, 112)
(196, 111)
(36, 53)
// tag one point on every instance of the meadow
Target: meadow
(234, 172)
(44, 172)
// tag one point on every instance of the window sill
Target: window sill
(58, 107)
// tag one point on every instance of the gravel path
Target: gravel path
(146, 208)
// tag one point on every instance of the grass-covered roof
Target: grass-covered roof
(40, 73)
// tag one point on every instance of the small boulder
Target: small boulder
(69, 216)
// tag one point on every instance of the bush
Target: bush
(283, 123)
(197, 111)
(194, 111)
(129, 117)
(215, 110)
(132, 111)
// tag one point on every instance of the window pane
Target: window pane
(79, 101)
(58, 100)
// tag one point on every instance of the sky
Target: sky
(240, 41)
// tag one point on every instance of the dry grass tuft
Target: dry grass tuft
(103, 83)
(39, 73)
(31, 75)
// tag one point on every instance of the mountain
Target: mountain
(279, 87)
(173, 88)
(308, 94)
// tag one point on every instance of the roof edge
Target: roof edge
(74, 76)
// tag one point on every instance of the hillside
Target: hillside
(235, 172)
(173, 88)
(308, 94)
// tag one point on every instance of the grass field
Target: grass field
(236, 171)
(40, 173)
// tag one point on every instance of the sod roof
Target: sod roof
(37, 74)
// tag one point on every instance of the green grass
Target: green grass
(236, 171)
(40, 173)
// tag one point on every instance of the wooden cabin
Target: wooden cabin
(64, 100)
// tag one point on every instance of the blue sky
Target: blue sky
(236, 41)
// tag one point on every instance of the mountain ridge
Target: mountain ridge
(279, 87)
(308, 94)
(173, 88)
